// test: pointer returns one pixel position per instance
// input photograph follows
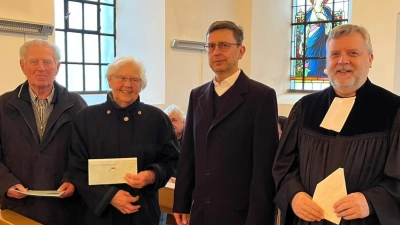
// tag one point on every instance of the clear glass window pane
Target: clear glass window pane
(91, 48)
(60, 42)
(85, 57)
(308, 86)
(92, 78)
(107, 49)
(59, 13)
(75, 78)
(74, 47)
(60, 78)
(90, 17)
(106, 19)
(75, 15)
(104, 82)
(107, 1)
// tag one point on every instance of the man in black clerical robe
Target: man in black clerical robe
(367, 146)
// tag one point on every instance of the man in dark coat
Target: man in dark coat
(366, 144)
(229, 142)
(34, 139)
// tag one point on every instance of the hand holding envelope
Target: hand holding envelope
(141, 179)
(111, 171)
(328, 192)
(305, 208)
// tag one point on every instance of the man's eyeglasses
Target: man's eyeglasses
(123, 79)
(222, 46)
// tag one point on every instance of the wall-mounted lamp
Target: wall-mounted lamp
(25, 27)
(188, 45)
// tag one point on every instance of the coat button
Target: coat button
(207, 172)
(108, 111)
(208, 200)
(126, 118)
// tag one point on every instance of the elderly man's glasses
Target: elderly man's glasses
(222, 46)
(123, 79)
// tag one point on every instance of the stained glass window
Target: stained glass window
(312, 22)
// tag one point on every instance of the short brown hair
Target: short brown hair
(225, 24)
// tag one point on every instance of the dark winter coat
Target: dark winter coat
(108, 131)
(37, 165)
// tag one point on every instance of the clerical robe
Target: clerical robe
(367, 147)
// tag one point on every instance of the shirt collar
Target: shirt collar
(34, 97)
(228, 81)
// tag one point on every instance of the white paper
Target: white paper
(329, 191)
(43, 193)
(111, 171)
(337, 114)
(170, 185)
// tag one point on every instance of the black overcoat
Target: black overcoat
(226, 161)
(107, 131)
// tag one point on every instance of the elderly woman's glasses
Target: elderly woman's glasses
(123, 79)
(222, 46)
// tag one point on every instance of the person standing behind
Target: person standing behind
(35, 137)
(229, 142)
(178, 119)
(366, 147)
(282, 120)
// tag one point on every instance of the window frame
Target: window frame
(304, 23)
(82, 31)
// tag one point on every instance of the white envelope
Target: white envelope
(43, 193)
(110, 171)
(328, 191)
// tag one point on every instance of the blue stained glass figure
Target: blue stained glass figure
(317, 34)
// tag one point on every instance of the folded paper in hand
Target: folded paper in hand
(329, 191)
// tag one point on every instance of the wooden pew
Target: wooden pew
(8, 217)
(166, 200)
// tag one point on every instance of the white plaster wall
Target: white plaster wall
(189, 20)
(396, 79)
(271, 43)
(379, 18)
(40, 11)
(140, 33)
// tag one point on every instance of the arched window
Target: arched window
(312, 22)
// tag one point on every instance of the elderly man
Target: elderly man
(229, 142)
(178, 119)
(35, 138)
(364, 141)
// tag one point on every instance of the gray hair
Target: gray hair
(347, 29)
(23, 50)
(175, 109)
(122, 61)
(237, 30)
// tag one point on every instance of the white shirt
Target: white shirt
(220, 89)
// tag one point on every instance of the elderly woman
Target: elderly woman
(124, 127)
